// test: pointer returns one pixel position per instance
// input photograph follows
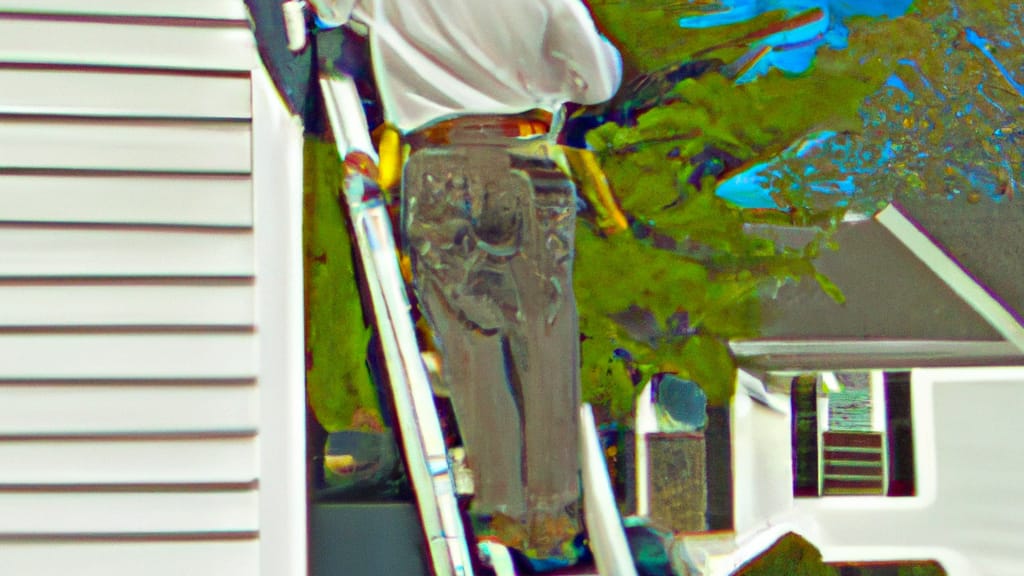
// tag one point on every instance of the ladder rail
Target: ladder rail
(422, 440)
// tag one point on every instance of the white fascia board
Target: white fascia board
(862, 347)
(950, 271)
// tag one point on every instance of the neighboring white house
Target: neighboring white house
(151, 372)
(916, 311)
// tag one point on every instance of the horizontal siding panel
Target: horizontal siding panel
(36, 143)
(46, 41)
(126, 304)
(127, 199)
(128, 461)
(92, 409)
(83, 92)
(99, 356)
(104, 513)
(214, 9)
(54, 251)
(239, 558)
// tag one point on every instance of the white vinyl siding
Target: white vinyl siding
(110, 408)
(142, 355)
(130, 413)
(213, 9)
(128, 303)
(136, 145)
(73, 251)
(196, 200)
(148, 45)
(71, 512)
(104, 558)
(125, 93)
(129, 460)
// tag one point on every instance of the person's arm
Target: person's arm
(592, 63)
(341, 97)
(332, 13)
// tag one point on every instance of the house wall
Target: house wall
(762, 473)
(151, 398)
(968, 512)
(277, 216)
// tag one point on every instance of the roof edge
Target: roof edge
(950, 271)
(871, 354)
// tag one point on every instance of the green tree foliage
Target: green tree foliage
(338, 383)
(698, 277)
(688, 251)
(946, 126)
(649, 31)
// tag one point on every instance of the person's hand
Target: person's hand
(331, 13)
(360, 179)
(357, 162)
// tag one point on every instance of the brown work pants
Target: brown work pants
(489, 229)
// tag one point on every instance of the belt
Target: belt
(469, 129)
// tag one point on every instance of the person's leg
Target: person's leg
(486, 413)
(491, 245)
(545, 350)
(461, 293)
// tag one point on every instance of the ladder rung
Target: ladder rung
(853, 491)
(852, 477)
(858, 449)
(855, 463)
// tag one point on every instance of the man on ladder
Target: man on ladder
(488, 216)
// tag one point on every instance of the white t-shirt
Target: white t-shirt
(436, 59)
